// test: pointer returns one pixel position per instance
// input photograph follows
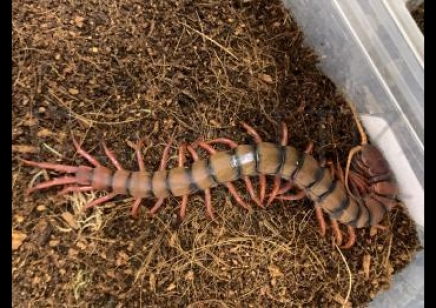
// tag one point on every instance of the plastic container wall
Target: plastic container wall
(374, 52)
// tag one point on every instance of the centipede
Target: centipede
(360, 198)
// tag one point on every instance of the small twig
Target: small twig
(349, 275)
(211, 40)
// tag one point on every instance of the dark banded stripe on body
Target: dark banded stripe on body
(307, 171)
(236, 163)
(269, 158)
(203, 175)
(181, 182)
(119, 179)
(139, 185)
(352, 213)
(246, 159)
(220, 166)
(290, 163)
(158, 184)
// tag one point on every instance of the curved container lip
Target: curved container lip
(373, 51)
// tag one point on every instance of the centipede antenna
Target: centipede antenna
(363, 136)
(353, 151)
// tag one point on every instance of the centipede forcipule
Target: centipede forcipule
(358, 207)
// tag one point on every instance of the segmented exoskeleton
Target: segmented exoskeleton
(283, 162)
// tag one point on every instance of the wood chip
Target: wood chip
(267, 78)
(171, 287)
(41, 208)
(274, 271)
(17, 239)
(215, 123)
(366, 265)
(41, 232)
(82, 245)
(78, 21)
(70, 220)
(339, 299)
(72, 252)
(32, 121)
(189, 276)
(73, 91)
(53, 243)
(152, 282)
(44, 132)
(17, 148)
(19, 218)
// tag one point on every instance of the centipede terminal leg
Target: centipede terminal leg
(56, 182)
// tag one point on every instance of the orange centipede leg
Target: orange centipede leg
(229, 185)
(262, 177)
(351, 231)
(157, 205)
(135, 207)
(251, 192)
(163, 165)
(207, 194)
(139, 156)
(285, 188)
(85, 154)
(298, 196)
(351, 238)
(184, 202)
(112, 157)
(336, 231)
(232, 144)
(277, 179)
(235, 195)
(321, 220)
(335, 226)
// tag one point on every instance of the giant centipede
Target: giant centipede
(358, 200)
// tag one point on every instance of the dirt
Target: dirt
(120, 71)
(418, 15)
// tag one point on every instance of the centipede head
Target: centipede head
(370, 172)
(367, 169)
